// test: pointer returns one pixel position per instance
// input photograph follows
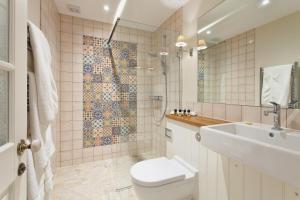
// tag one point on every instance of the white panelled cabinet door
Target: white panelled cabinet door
(13, 98)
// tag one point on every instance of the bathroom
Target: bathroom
(144, 100)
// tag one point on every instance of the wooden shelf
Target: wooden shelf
(196, 121)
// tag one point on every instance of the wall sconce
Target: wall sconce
(201, 45)
(181, 41)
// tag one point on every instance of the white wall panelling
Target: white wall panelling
(222, 178)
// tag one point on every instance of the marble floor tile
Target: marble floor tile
(100, 180)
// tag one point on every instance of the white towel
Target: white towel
(34, 189)
(42, 178)
(276, 85)
(46, 88)
(38, 189)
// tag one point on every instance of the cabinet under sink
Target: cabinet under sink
(276, 153)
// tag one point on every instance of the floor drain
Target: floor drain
(124, 188)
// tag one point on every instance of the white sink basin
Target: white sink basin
(276, 153)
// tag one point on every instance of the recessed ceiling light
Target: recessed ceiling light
(208, 32)
(265, 2)
(106, 8)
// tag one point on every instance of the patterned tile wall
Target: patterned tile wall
(109, 92)
(71, 150)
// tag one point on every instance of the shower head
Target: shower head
(163, 61)
(163, 64)
(162, 55)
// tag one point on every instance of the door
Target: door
(13, 92)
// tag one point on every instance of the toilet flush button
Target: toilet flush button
(168, 133)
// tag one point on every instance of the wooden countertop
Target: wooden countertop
(196, 121)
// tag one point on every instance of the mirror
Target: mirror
(244, 36)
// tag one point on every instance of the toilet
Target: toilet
(164, 179)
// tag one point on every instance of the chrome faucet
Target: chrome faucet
(276, 112)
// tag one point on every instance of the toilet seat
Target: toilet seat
(159, 171)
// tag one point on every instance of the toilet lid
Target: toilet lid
(156, 172)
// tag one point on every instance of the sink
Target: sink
(276, 153)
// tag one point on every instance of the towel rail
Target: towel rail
(294, 90)
(28, 40)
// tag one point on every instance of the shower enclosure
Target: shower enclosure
(121, 74)
(107, 109)
(110, 88)
(158, 100)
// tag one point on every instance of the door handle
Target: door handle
(23, 145)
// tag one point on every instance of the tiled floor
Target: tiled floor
(101, 180)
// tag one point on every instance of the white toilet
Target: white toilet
(164, 179)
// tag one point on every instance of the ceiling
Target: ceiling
(151, 13)
(236, 16)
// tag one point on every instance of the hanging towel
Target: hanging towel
(42, 178)
(34, 190)
(46, 88)
(276, 85)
